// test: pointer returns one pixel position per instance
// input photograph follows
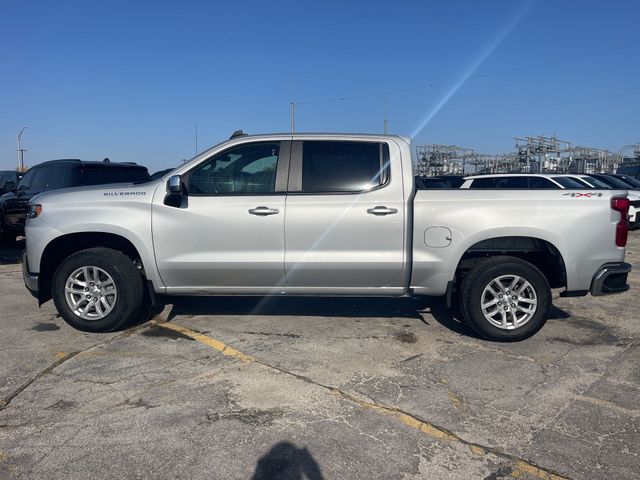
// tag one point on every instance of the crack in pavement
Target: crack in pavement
(521, 466)
(4, 403)
(64, 357)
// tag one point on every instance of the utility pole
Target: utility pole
(293, 117)
(19, 150)
(385, 115)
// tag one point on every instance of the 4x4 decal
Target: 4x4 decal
(578, 195)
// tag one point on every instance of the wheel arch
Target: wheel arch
(63, 246)
(540, 252)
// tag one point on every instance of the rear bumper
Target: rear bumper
(30, 279)
(610, 278)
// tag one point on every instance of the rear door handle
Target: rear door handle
(380, 210)
(264, 211)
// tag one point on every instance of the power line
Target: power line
(473, 77)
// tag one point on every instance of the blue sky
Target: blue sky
(129, 80)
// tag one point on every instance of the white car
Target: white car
(634, 196)
(521, 181)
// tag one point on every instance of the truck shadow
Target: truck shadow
(422, 309)
(299, 306)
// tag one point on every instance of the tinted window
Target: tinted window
(27, 180)
(452, 181)
(568, 182)
(512, 182)
(542, 183)
(484, 183)
(423, 183)
(629, 180)
(342, 167)
(595, 182)
(613, 182)
(53, 177)
(249, 168)
(47, 178)
(100, 175)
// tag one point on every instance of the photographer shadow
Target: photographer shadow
(285, 461)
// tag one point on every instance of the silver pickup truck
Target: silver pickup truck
(321, 214)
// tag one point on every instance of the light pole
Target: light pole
(293, 117)
(385, 115)
(19, 150)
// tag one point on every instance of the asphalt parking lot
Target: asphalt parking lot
(240, 388)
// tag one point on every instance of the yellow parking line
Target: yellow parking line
(211, 342)
(521, 467)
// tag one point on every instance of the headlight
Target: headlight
(35, 209)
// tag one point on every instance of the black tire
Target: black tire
(479, 277)
(128, 283)
(7, 238)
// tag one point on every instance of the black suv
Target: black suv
(60, 174)
(8, 180)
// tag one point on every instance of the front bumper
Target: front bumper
(30, 279)
(610, 278)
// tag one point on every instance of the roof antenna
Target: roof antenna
(106, 160)
(237, 133)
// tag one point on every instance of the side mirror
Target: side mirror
(175, 192)
(174, 185)
(9, 186)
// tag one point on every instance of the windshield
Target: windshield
(25, 182)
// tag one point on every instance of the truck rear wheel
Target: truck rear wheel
(505, 299)
(98, 290)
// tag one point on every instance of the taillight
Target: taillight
(621, 205)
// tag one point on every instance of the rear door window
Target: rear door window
(343, 167)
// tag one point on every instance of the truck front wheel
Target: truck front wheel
(505, 298)
(98, 290)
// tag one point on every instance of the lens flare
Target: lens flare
(471, 69)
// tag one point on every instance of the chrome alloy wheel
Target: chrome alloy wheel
(508, 302)
(90, 293)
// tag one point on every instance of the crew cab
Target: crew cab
(321, 214)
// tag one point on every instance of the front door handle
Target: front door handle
(264, 211)
(380, 210)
